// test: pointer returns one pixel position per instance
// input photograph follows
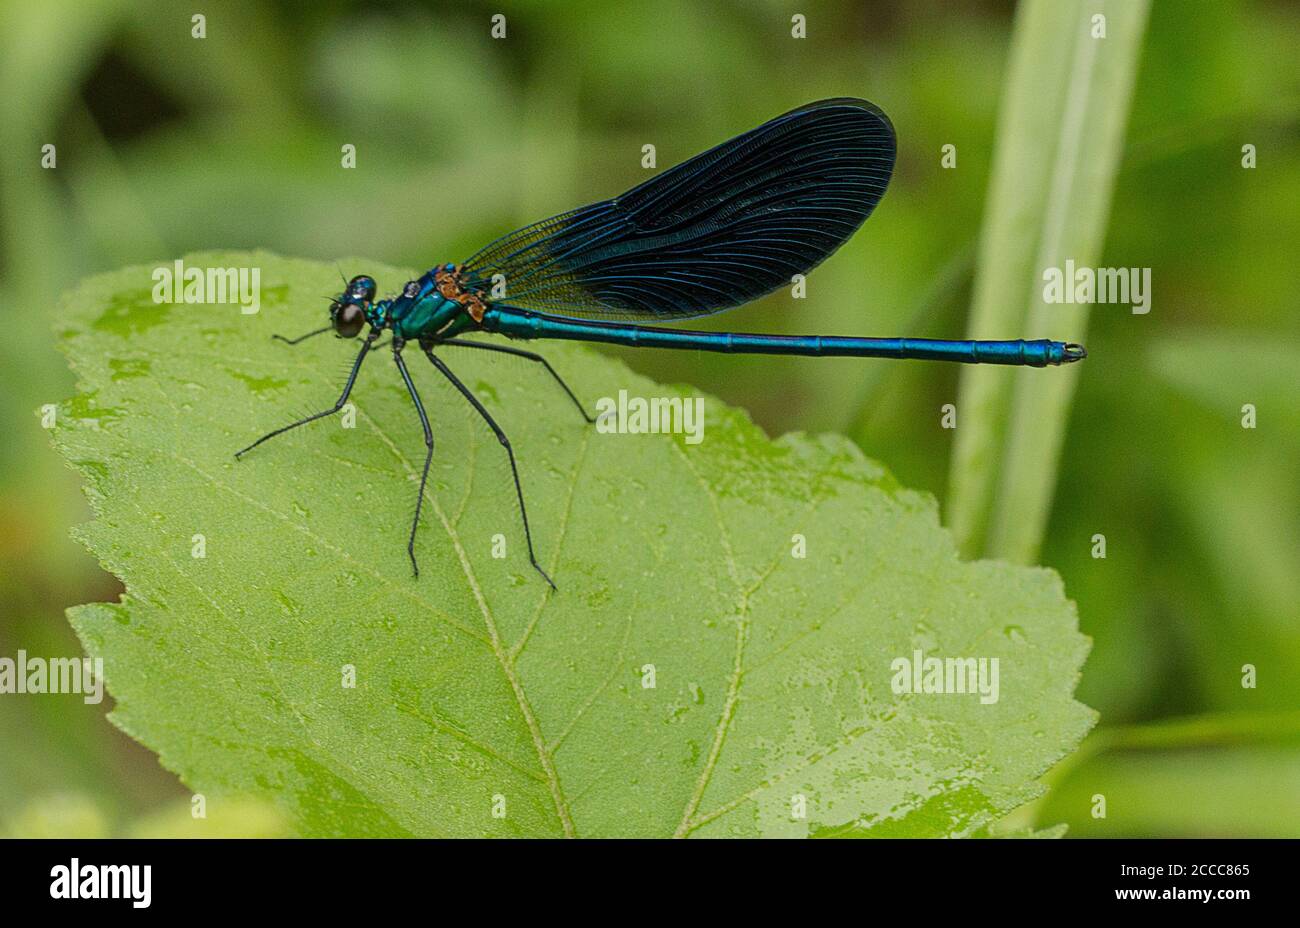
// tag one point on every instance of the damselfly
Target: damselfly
(719, 230)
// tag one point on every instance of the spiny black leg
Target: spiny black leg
(428, 453)
(505, 443)
(466, 343)
(343, 398)
(294, 341)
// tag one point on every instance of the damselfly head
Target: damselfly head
(349, 312)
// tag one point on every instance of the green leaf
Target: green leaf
(1064, 109)
(772, 673)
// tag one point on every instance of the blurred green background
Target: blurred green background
(168, 144)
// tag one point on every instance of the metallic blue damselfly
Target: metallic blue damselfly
(712, 233)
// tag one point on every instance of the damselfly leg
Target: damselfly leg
(343, 398)
(531, 356)
(302, 338)
(428, 446)
(505, 443)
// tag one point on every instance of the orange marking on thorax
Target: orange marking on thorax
(450, 287)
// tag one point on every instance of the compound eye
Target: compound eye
(348, 320)
(362, 288)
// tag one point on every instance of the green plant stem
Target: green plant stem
(1060, 134)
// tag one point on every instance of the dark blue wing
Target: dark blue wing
(721, 229)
